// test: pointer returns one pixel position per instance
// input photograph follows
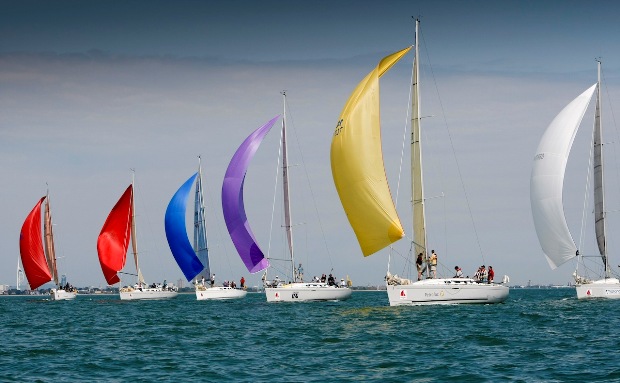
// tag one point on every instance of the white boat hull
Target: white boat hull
(305, 292)
(62, 295)
(605, 288)
(446, 291)
(219, 292)
(130, 294)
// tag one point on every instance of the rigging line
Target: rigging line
(458, 167)
(303, 162)
(585, 197)
(408, 118)
(275, 192)
(221, 244)
(402, 150)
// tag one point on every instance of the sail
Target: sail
(417, 186)
(200, 226)
(357, 165)
(597, 162)
(547, 180)
(176, 232)
(288, 227)
(232, 201)
(48, 234)
(114, 238)
(31, 249)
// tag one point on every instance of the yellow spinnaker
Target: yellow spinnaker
(357, 165)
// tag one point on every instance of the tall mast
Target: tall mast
(50, 253)
(417, 189)
(134, 240)
(200, 225)
(287, 203)
(599, 186)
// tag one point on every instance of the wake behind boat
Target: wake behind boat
(236, 221)
(112, 246)
(360, 178)
(40, 264)
(546, 186)
(194, 260)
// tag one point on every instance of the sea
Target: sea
(537, 335)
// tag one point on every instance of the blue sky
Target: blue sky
(91, 89)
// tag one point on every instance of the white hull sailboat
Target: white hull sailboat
(445, 291)
(62, 294)
(129, 293)
(359, 176)
(234, 212)
(546, 186)
(219, 293)
(112, 245)
(306, 292)
(194, 260)
(298, 291)
(39, 255)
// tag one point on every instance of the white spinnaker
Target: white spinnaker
(547, 181)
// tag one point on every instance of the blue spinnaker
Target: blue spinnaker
(176, 232)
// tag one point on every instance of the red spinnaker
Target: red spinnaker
(114, 238)
(31, 249)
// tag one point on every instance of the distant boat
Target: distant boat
(295, 290)
(40, 264)
(360, 179)
(194, 261)
(546, 185)
(112, 245)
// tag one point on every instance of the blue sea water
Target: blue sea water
(537, 335)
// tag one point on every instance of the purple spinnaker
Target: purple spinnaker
(232, 201)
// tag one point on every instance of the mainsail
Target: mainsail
(357, 165)
(232, 201)
(113, 240)
(176, 232)
(599, 187)
(200, 224)
(48, 234)
(31, 249)
(547, 181)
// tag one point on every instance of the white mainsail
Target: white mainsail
(599, 188)
(547, 180)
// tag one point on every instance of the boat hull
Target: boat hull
(130, 294)
(604, 288)
(62, 295)
(219, 292)
(306, 292)
(446, 291)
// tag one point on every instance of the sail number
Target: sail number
(339, 127)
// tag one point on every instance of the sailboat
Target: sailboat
(546, 184)
(38, 255)
(194, 260)
(360, 179)
(112, 246)
(296, 289)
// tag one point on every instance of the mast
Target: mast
(285, 186)
(134, 240)
(200, 225)
(599, 186)
(417, 188)
(50, 253)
